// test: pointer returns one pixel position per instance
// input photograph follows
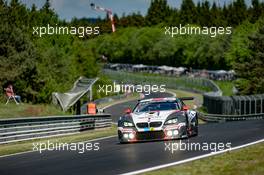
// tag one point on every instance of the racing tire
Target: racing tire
(195, 127)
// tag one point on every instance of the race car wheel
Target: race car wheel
(194, 126)
(120, 135)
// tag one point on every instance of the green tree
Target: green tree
(2, 3)
(17, 60)
(240, 41)
(39, 66)
(250, 70)
(158, 12)
(239, 12)
(174, 17)
(204, 16)
(216, 15)
(256, 10)
(48, 15)
(188, 13)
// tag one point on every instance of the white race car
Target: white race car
(158, 119)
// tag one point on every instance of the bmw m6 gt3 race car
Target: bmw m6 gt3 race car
(158, 119)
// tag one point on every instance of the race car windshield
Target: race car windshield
(157, 106)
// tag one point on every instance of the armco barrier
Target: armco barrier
(234, 105)
(13, 130)
(224, 118)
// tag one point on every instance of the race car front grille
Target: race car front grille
(155, 124)
(150, 135)
(142, 125)
(152, 124)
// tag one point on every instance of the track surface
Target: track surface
(115, 158)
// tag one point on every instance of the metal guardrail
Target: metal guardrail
(14, 130)
(235, 105)
(224, 118)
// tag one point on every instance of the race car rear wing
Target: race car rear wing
(166, 99)
(186, 98)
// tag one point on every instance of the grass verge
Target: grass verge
(196, 84)
(243, 162)
(198, 97)
(11, 110)
(131, 97)
(226, 87)
(17, 147)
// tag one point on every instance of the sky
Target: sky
(67, 9)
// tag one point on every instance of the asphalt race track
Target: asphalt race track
(115, 158)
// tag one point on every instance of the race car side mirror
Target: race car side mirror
(128, 111)
(185, 108)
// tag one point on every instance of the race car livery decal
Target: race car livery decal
(191, 114)
(158, 119)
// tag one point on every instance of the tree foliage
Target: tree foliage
(150, 46)
(250, 69)
(39, 66)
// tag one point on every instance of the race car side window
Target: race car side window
(136, 107)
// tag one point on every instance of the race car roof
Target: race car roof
(166, 99)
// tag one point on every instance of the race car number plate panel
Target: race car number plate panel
(149, 129)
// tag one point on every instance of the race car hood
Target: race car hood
(151, 116)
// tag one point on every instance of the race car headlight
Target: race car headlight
(128, 124)
(171, 121)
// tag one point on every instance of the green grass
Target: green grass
(11, 110)
(133, 96)
(171, 82)
(17, 147)
(247, 161)
(226, 87)
(198, 97)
